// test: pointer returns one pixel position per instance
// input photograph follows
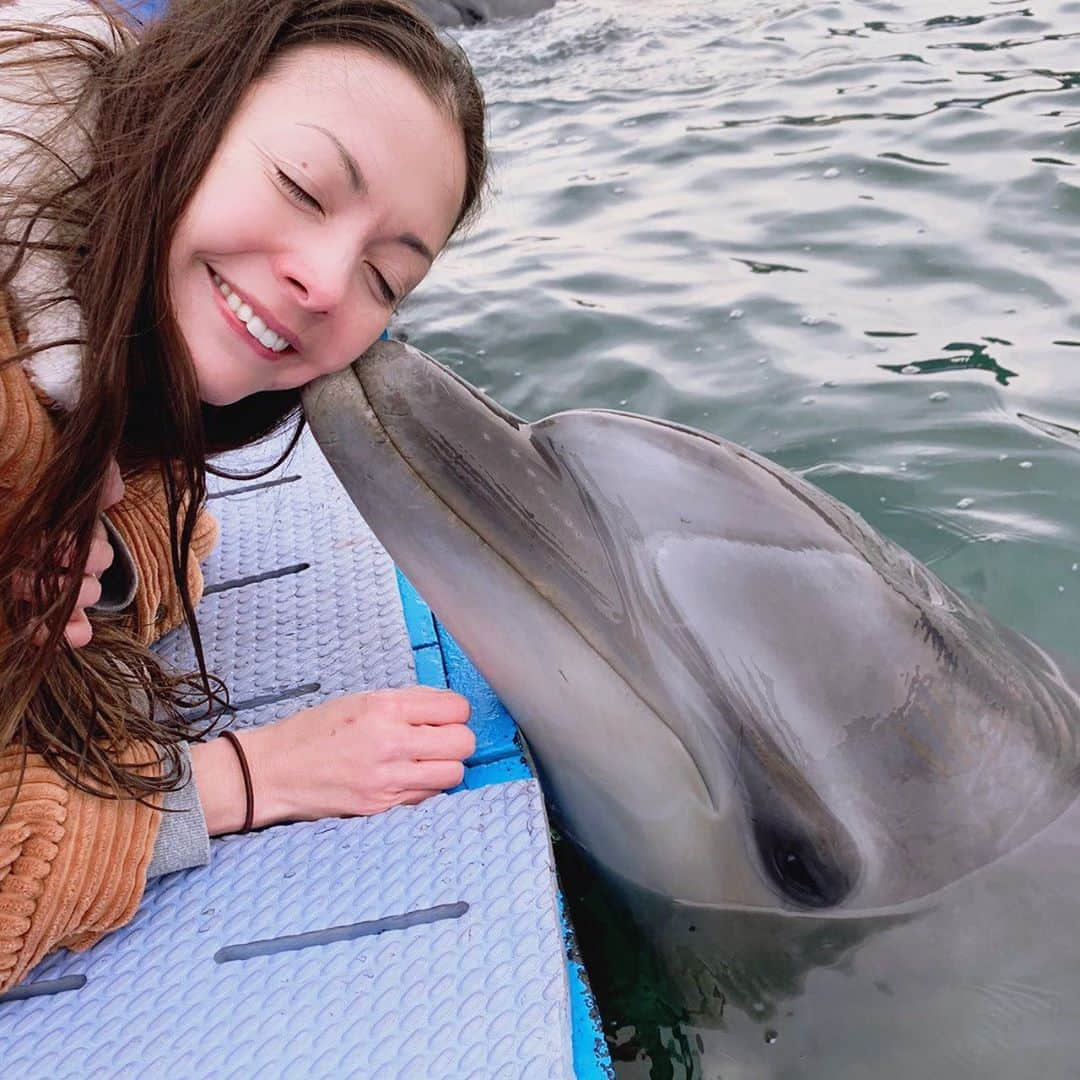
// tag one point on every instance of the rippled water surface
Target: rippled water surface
(843, 234)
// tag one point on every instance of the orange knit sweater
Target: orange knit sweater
(73, 866)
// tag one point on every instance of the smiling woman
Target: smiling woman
(195, 220)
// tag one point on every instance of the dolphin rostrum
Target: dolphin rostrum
(782, 736)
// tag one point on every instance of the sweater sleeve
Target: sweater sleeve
(73, 866)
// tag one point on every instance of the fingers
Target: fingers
(101, 553)
(100, 556)
(78, 630)
(451, 741)
(89, 593)
(430, 705)
(436, 775)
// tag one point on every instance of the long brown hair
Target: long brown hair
(159, 100)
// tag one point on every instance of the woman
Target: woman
(196, 220)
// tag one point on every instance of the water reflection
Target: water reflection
(963, 356)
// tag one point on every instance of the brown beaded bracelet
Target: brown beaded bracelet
(249, 787)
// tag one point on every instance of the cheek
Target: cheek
(222, 221)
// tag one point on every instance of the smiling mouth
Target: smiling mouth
(270, 340)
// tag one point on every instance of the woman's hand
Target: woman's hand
(354, 755)
(78, 630)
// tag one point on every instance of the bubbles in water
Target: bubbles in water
(1075, 566)
(909, 369)
(623, 401)
(1025, 464)
(810, 320)
(964, 503)
(939, 395)
(763, 360)
(808, 400)
(1003, 457)
(831, 174)
(1061, 588)
(771, 1036)
(735, 313)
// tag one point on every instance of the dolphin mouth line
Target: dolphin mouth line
(517, 422)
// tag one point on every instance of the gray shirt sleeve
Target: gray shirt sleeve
(182, 840)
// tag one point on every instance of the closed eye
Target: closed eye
(296, 192)
(383, 285)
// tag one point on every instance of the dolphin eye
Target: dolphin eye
(801, 873)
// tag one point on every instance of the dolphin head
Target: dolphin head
(736, 692)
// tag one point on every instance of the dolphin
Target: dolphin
(841, 797)
(476, 12)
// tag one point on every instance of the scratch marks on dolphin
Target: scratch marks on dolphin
(486, 489)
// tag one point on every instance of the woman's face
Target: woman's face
(336, 183)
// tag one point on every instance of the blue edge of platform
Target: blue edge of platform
(498, 758)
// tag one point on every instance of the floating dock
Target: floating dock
(426, 942)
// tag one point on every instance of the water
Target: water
(843, 234)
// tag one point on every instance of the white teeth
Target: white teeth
(258, 329)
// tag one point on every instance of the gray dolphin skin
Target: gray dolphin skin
(841, 798)
(476, 12)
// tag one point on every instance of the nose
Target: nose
(114, 486)
(318, 280)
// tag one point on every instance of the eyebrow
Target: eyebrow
(359, 185)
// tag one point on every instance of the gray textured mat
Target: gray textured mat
(482, 994)
(479, 993)
(329, 623)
